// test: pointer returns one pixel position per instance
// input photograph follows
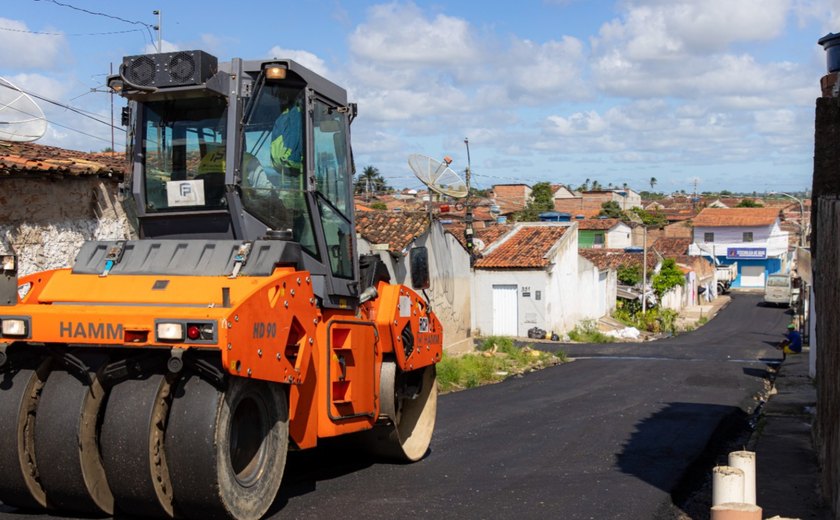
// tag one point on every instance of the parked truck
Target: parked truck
(168, 375)
(724, 276)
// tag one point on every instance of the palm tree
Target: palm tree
(369, 181)
(653, 182)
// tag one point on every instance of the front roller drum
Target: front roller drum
(67, 440)
(408, 400)
(20, 389)
(227, 448)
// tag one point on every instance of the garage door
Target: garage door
(752, 276)
(505, 311)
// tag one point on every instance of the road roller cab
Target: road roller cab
(168, 374)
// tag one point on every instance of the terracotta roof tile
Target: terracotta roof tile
(597, 223)
(614, 258)
(672, 247)
(736, 217)
(30, 158)
(397, 229)
(487, 235)
(526, 246)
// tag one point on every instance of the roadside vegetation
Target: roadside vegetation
(587, 332)
(496, 359)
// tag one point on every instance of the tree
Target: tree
(669, 276)
(651, 218)
(542, 199)
(749, 203)
(629, 274)
(611, 209)
(370, 181)
(596, 186)
(653, 182)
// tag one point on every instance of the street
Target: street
(609, 435)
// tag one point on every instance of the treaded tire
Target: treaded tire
(227, 449)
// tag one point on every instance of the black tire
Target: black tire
(227, 449)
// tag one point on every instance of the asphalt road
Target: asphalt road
(609, 435)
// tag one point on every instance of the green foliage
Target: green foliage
(587, 332)
(498, 358)
(630, 274)
(668, 277)
(651, 195)
(749, 203)
(379, 205)
(654, 320)
(542, 200)
(370, 181)
(611, 209)
(651, 218)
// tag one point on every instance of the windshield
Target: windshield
(272, 163)
(184, 159)
(778, 281)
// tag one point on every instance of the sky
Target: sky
(712, 94)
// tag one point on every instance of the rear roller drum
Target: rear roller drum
(66, 437)
(409, 401)
(227, 449)
(131, 441)
(21, 383)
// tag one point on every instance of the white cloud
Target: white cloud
(305, 58)
(400, 33)
(21, 49)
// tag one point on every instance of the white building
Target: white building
(533, 277)
(752, 237)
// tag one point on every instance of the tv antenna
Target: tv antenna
(438, 176)
(21, 119)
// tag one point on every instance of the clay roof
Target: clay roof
(526, 246)
(590, 224)
(614, 258)
(392, 228)
(30, 158)
(487, 235)
(736, 217)
(672, 247)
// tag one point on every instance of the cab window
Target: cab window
(332, 161)
(184, 149)
(272, 163)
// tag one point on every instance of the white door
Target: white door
(505, 311)
(752, 276)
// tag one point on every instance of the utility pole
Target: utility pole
(111, 91)
(159, 29)
(644, 270)
(468, 217)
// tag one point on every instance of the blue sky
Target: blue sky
(717, 92)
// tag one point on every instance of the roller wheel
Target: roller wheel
(227, 449)
(21, 383)
(409, 400)
(66, 437)
(132, 445)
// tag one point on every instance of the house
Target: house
(588, 201)
(531, 277)
(603, 232)
(390, 235)
(52, 200)
(562, 191)
(752, 237)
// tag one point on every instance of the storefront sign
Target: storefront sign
(746, 253)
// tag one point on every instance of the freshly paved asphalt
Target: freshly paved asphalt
(609, 435)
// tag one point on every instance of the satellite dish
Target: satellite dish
(438, 176)
(478, 244)
(21, 119)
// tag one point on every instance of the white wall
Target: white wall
(449, 269)
(619, 236)
(770, 237)
(568, 292)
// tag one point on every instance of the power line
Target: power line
(62, 125)
(60, 104)
(147, 26)
(9, 29)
